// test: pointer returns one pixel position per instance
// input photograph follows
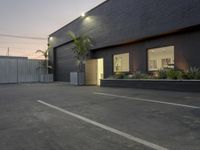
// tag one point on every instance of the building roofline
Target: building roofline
(186, 29)
(178, 31)
(80, 17)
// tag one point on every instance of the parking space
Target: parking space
(59, 116)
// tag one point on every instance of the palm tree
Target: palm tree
(82, 45)
(45, 53)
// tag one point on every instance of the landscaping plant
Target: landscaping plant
(119, 75)
(45, 64)
(162, 74)
(173, 74)
(140, 75)
(193, 73)
(82, 45)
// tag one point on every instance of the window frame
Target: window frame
(147, 56)
(113, 64)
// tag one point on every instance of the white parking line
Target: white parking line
(110, 129)
(147, 100)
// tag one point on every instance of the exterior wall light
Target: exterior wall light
(51, 38)
(83, 14)
(88, 19)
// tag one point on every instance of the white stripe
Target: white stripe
(148, 100)
(125, 135)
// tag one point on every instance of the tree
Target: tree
(45, 53)
(82, 45)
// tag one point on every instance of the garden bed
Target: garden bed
(157, 84)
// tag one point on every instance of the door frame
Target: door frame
(95, 77)
(101, 75)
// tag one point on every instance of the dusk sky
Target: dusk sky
(36, 18)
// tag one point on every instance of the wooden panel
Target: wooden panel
(91, 72)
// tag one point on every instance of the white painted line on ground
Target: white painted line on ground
(147, 100)
(125, 135)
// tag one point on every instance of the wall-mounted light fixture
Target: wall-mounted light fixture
(50, 38)
(82, 14)
(88, 19)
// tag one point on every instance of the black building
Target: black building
(132, 35)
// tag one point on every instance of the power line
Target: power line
(22, 37)
(16, 48)
(22, 42)
(8, 52)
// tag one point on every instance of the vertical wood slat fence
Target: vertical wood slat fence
(19, 70)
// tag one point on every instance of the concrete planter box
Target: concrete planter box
(77, 78)
(46, 78)
(172, 85)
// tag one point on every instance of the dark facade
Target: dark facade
(133, 26)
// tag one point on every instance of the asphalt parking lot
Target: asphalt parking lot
(58, 116)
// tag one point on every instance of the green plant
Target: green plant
(184, 75)
(45, 64)
(119, 75)
(82, 45)
(174, 74)
(140, 75)
(193, 73)
(162, 74)
(126, 76)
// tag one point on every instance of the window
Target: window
(160, 58)
(121, 62)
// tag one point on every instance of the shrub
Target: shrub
(119, 75)
(162, 74)
(193, 73)
(140, 75)
(184, 75)
(174, 74)
(126, 76)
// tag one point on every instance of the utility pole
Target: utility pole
(8, 51)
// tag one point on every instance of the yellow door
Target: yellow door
(94, 71)
(91, 72)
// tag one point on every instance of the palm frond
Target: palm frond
(39, 51)
(43, 52)
(82, 45)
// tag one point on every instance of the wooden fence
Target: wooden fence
(19, 70)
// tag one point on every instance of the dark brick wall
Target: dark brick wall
(119, 21)
(64, 63)
(187, 51)
(122, 21)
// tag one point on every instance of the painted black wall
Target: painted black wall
(187, 51)
(121, 21)
(117, 22)
(64, 62)
(187, 54)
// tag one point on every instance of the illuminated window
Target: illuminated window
(121, 62)
(161, 58)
